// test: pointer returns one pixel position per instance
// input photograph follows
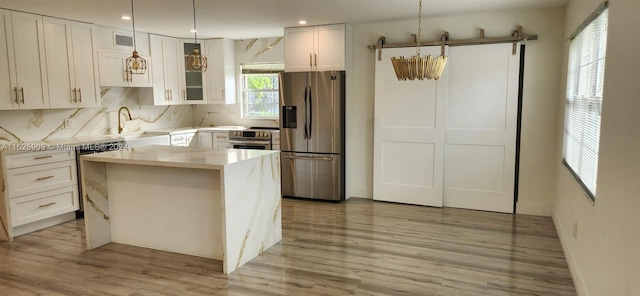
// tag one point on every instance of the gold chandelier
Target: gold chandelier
(420, 67)
(135, 63)
(195, 62)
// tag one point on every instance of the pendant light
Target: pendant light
(195, 62)
(429, 67)
(135, 63)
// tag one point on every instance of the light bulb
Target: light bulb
(135, 65)
(196, 63)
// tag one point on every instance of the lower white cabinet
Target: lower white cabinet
(183, 139)
(213, 139)
(41, 190)
(221, 139)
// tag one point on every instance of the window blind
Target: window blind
(583, 107)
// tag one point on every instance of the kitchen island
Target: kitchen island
(222, 204)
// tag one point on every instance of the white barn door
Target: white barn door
(409, 135)
(481, 127)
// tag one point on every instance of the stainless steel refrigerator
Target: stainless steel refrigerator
(312, 134)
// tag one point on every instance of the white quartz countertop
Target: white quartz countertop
(177, 156)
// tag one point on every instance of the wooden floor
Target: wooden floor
(358, 247)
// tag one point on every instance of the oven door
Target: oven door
(250, 144)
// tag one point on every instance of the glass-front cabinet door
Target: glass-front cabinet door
(194, 82)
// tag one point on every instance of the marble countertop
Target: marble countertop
(177, 156)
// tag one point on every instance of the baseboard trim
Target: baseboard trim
(574, 269)
(41, 224)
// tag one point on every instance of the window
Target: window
(260, 93)
(583, 107)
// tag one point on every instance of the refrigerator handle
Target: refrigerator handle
(310, 112)
(306, 93)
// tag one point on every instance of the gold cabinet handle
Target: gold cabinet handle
(80, 95)
(47, 205)
(185, 95)
(166, 94)
(315, 55)
(75, 95)
(44, 178)
(22, 93)
(171, 94)
(310, 60)
(16, 90)
(43, 157)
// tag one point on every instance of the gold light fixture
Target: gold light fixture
(195, 62)
(135, 63)
(420, 67)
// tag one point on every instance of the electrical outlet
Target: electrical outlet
(150, 117)
(368, 120)
(69, 123)
(575, 230)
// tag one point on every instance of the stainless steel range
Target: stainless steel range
(258, 138)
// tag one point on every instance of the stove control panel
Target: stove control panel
(250, 134)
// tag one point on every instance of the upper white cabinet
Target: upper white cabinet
(112, 65)
(317, 48)
(194, 83)
(114, 46)
(167, 74)
(221, 73)
(71, 75)
(23, 73)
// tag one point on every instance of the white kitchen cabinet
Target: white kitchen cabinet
(41, 189)
(167, 73)
(275, 140)
(221, 72)
(193, 83)
(23, 76)
(213, 139)
(221, 139)
(183, 139)
(71, 73)
(112, 65)
(205, 139)
(317, 48)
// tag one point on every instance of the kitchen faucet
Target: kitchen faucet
(121, 128)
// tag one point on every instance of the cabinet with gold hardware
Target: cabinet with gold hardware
(167, 74)
(221, 74)
(184, 139)
(315, 48)
(23, 82)
(41, 190)
(71, 74)
(112, 65)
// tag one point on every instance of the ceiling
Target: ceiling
(243, 19)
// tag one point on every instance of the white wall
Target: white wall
(35, 125)
(260, 50)
(541, 88)
(605, 256)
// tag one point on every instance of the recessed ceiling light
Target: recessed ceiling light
(302, 22)
(193, 30)
(125, 17)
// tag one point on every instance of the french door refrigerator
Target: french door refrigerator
(312, 134)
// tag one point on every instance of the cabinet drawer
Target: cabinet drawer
(178, 140)
(25, 159)
(221, 136)
(34, 207)
(33, 179)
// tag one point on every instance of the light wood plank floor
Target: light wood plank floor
(358, 247)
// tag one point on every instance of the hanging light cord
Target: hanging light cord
(195, 30)
(133, 23)
(419, 27)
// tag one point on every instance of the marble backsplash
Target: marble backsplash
(249, 51)
(36, 125)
